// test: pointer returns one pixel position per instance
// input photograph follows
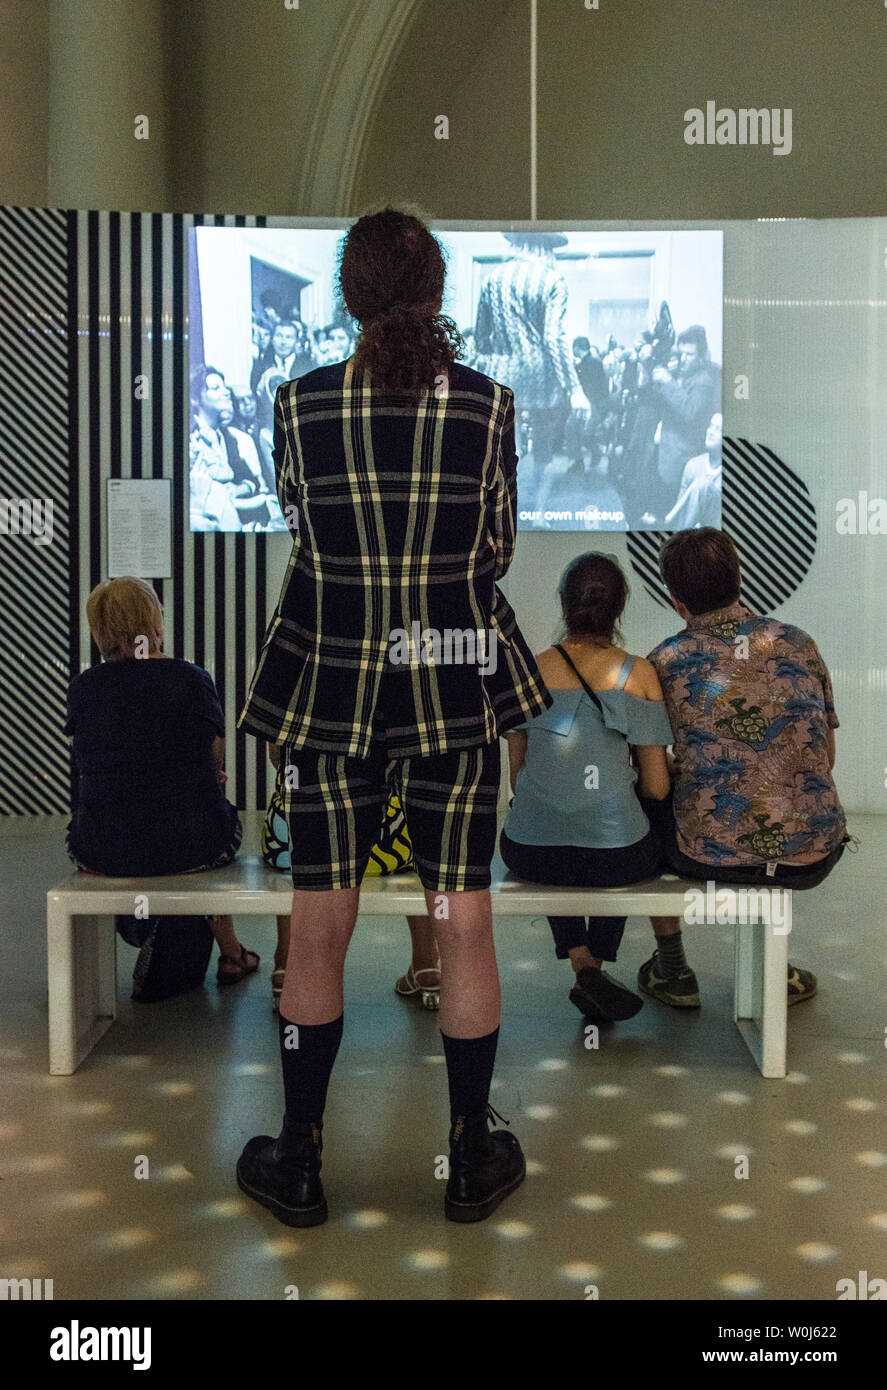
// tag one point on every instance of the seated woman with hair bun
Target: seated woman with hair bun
(577, 772)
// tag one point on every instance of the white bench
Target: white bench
(82, 942)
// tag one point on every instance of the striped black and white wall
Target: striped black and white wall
(89, 301)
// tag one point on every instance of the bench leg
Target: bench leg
(761, 1002)
(82, 959)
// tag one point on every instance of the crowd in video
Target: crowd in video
(646, 434)
(233, 485)
(619, 426)
(610, 343)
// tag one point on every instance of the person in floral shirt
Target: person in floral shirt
(750, 704)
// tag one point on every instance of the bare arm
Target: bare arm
(219, 753)
(517, 753)
(653, 762)
(653, 779)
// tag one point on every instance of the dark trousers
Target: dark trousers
(548, 428)
(661, 818)
(571, 866)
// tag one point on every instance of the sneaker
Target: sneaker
(484, 1167)
(681, 990)
(601, 998)
(801, 984)
(284, 1174)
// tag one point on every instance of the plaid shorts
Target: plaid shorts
(334, 806)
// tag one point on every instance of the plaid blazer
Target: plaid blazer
(404, 518)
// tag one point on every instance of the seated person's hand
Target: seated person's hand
(222, 777)
(274, 753)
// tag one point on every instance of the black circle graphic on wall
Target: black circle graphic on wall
(767, 512)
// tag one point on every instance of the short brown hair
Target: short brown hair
(701, 569)
(121, 610)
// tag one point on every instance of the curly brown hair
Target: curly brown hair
(391, 278)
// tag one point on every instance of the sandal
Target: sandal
(409, 985)
(276, 989)
(244, 968)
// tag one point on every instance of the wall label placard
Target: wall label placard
(139, 527)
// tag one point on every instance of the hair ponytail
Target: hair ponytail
(405, 343)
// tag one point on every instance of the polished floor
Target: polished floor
(633, 1149)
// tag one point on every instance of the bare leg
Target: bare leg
(223, 930)
(283, 941)
(580, 957)
(666, 926)
(425, 956)
(320, 931)
(469, 997)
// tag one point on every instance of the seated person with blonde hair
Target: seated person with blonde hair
(147, 738)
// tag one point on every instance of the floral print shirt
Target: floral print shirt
(750, 704)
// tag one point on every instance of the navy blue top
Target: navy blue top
(148, 800)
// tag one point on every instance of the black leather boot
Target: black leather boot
(284, 1174)
(484, 1167)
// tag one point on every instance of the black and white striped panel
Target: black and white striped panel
(35, 634)
(133, 304)
(767, 512)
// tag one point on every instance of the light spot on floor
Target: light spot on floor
(661, 1241)
(428, 1259)
(513, 1230)
(369, 1220)
(739, 1284)
(665, 1177)
(599, 1143)
(128, 1238)
(816, 1252)
(736, 1211)
(591, 1201)
(807, 1186)
(577, 1269)
(802, 1127)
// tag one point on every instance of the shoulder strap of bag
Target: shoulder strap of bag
(586, 687)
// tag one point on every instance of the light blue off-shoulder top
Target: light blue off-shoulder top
(576, 786)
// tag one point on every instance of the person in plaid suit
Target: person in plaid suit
(520, 337)
(392, 662)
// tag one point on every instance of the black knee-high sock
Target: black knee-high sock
(307, 1052)
(470, 1063)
